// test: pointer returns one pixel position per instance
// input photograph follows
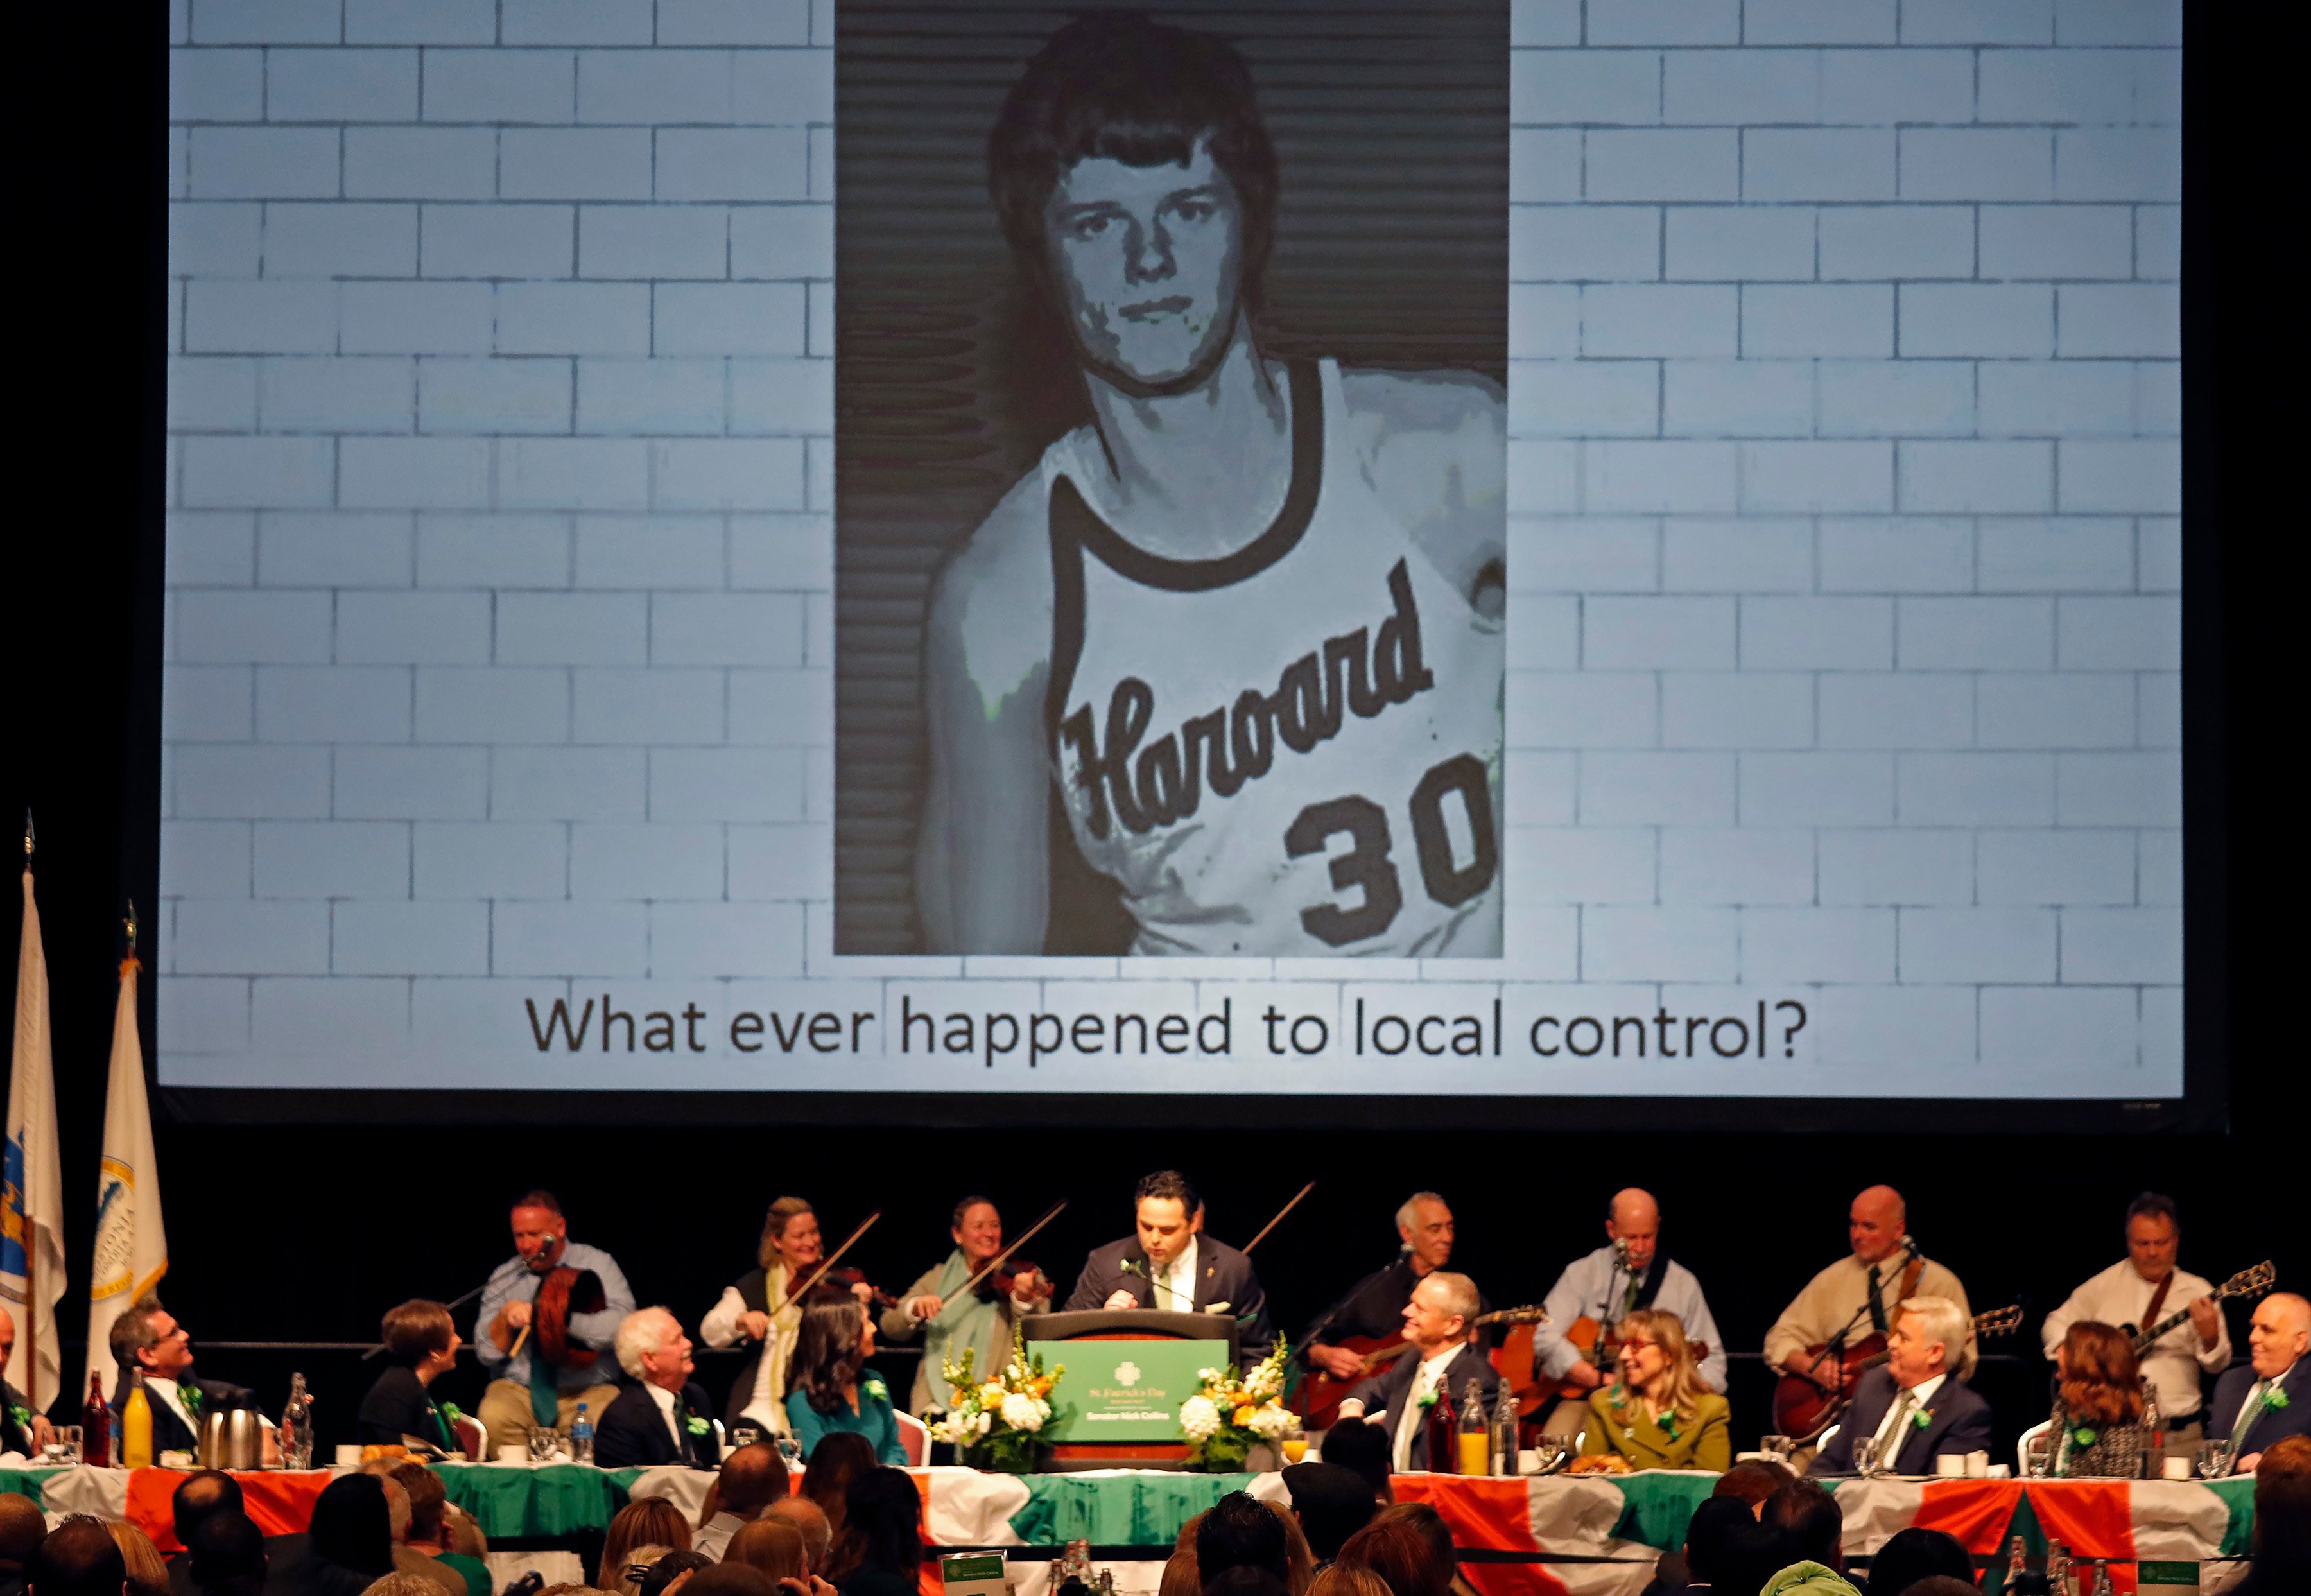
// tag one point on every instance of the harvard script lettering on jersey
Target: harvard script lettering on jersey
(1246, 745)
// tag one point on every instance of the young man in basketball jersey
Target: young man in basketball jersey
(1249, 618)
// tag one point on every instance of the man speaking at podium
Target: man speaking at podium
(1169, 1264)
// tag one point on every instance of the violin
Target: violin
(1004, 1283)
(837, 1283)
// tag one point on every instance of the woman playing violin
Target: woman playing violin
(758, 1310)
(950, 1318)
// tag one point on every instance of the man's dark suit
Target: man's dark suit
(169, 1431)
(632, 1432)
(1392, 1386)
(1958, 1422)
(2270, 1424)
(1223, 1275)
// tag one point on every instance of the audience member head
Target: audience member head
(199, 1494)
(2100, 1382)
(1408, 1547)
(352, 1525)
(1743, 1558)
(1914, 1553)
(2282, 1513)
(397, 1507)
(835, 1462)
(626, 1575)
(1245, 1580)
(1341, 1580)
(23, 1526)
(1180, 1576)
(810, 1518)
(670, 1570)
(78, 1558)
(772, 1545)
(752, 1477)
(227, 1549)
(1240, 1533)
(1938, 1584)
(429, 1501)
(2290, 1455)
(1752, 1482)
(1332, 1503)
(882, 1520)
(1713, 1527)
(729, 1579)
(1362, 1449)
(1299, 1562)
(148, 1575)
(646, 1520)
(1810, 1517)
(401, 1584)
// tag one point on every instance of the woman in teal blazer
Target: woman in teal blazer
(826, 1390)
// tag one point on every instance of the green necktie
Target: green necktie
(1877, 1305)
(545, 1398)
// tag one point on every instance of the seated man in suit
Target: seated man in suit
(1441, 1363)
(664, 1416)
(2272, 1396)
(1169, 1264)
(16, 1436)
(148, 1338)
(1912, 1409)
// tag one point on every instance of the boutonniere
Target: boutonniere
(23, 1415)
(2274, 1399)
(452, 1412)
(873, 1386)
(1921, 1418)
(1668, 1423)
(2083, 1436)
(695, 1424)
(189, 1395)
(1428, 1399)
(1131, 1266)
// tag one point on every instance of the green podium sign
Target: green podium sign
(1128, 1390)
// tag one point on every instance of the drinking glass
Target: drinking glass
(546, 1445)
(1776, 1447)
(791, 1451)
(1865, 1455)
(1294, 1440)
(1551, 1451)
(69, 1434)
(2038, 1455)
(2214, 1459)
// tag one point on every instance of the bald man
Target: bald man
(2271, 1398)
(15, 1435)
(1856, 1296)
(1630, 1270)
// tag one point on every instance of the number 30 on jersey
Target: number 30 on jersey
(1459, 781)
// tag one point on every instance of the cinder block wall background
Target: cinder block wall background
(1846, 544)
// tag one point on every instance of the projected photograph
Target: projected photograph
(1170, 513)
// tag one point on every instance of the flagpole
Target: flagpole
(31, 1236)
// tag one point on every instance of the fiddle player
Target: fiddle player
(1373, 1307)
(755, 1310)
(1856, 1296)
(1436, 1321)
(1168, 1263)
(1629, 1272)
(2140, 1291)
(981, 1320)
(524, 1388)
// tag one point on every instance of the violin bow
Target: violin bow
(995, 1263)
(1272, 1224)
(830, 1261)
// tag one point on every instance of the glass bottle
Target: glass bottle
(1442, 1430)
(96, 1427)
(582, 1437)
(2102, 1585)
(2058, 1569)
(1504, 1432)
(1475, 1431)
(2018, 1567)
(2154, 1433)
(295, 1432)
(136, 1424)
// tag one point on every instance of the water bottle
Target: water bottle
(1504, 1432)
(582, 1437)
(2154, 1433)
(2019, 1581)
(296, 1430)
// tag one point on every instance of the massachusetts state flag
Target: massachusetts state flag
(132, 1244)
(31, 1205)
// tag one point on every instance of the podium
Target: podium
(1128, 1370)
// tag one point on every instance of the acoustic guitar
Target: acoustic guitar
(1318, 1400)
(2249, 1282)
(1804, 1404)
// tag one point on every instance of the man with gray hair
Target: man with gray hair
(1373, 1310)
(1440, 1365)
(1912, 1410)
(663, 1415)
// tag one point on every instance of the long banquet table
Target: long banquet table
(1555, 1536)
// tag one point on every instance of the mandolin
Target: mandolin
(1318, 1400)
(2250, 1282)
(1804, 1404)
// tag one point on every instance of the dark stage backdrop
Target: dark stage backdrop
(1391, 125)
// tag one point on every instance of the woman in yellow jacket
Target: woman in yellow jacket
(1658, 1415)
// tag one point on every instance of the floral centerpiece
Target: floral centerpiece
(1231, 1413)
(999, 1423)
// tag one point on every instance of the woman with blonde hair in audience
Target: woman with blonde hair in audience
(1408, 1546)
(1658, 1415)
(148, 1575)
(643, 1522)
(1342, 1579)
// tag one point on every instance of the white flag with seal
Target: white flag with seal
(132, 1244)
(31, 1205)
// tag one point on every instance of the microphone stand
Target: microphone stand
(452, 1306)
(1836, 1346)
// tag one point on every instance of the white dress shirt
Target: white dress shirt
(1906, 1412)
(1174, 1289)
(665, 1401)
(713, 1537)
(2119, 1295)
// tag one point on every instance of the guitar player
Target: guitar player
(2140, 1292)
(1854, 1297)
(1371, 1316)
(1629, 1271)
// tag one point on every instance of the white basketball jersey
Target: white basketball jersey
(1295, 749)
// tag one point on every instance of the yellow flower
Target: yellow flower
(1243, 1416)
(990, 1394)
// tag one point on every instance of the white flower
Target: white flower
(1042, 1408)
(1199, 1419)
(983, 1423)
(1023, 1412)
(1270, 1421)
